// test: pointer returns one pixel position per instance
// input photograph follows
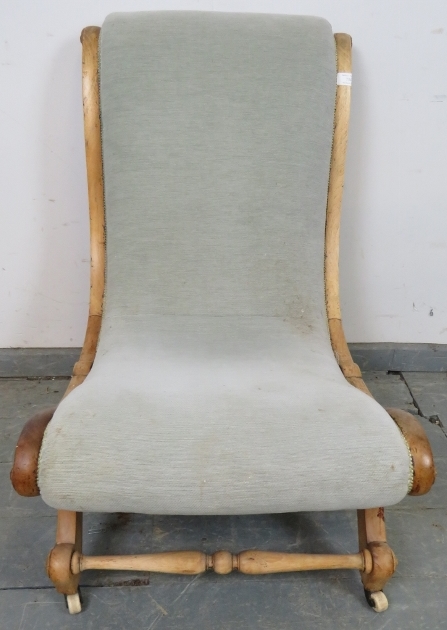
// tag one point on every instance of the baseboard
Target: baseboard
(35, 362)
(400, 357)
(382, 357)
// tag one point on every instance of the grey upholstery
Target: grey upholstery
(215, 389)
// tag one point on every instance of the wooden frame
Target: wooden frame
(375, 560)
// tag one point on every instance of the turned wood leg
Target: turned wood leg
(68, 541)
(372, 536)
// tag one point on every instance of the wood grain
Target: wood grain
(68, 542)
(384, 564)
(336, 178)
(26, 457)
(93, 153)
(251, 562)
(351, 371)
(371, 525)
(59, 569)
(372, 537)
(423, 464)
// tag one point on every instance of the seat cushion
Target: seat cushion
(226, 415)
(215, 389)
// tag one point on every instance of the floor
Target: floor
(320, 600)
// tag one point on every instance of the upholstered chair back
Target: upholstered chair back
(217, 132)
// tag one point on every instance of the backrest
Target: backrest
(216, 139)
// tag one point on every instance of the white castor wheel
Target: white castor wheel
(377, 600)
(74, 603)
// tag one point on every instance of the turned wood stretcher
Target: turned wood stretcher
(375, 560)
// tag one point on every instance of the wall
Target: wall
(394, 229)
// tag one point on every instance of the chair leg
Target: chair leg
(372, 536)
(68, 540)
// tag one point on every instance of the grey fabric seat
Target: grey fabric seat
(215, 389)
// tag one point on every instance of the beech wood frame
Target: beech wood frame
(375, 560)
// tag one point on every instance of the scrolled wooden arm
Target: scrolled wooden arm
(24, 469)
(420, 449)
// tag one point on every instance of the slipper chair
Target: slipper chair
(215, 377)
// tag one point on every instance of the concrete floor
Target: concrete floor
(319, 600)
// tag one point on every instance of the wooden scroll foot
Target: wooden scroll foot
(372, 537)
(68, 542)
(383, 566)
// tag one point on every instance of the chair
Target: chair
(215, 377)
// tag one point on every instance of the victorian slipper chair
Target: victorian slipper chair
(215, 376)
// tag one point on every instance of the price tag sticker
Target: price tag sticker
(344, 78)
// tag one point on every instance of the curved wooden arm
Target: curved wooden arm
(420, 449)
(24, 469)
(92, 132)
(351, 371)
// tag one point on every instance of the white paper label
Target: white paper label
(344, 78)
